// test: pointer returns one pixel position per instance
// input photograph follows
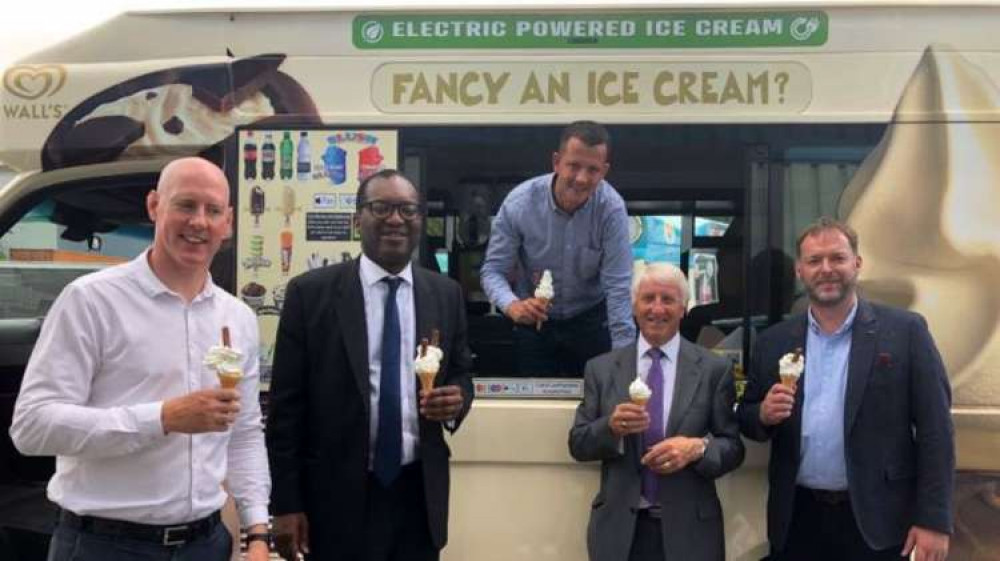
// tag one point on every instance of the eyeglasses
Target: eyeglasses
(383, 210)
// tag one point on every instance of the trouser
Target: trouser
(396, 518)
(647, 542)
(563, 346)
(75, 539)
(824, 529)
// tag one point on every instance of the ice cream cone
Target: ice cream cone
(538, 324)
(640, 401)
(427, 380)
(230, 379)
(790, 381)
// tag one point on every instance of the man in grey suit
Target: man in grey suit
(862, 451)
(657, 498)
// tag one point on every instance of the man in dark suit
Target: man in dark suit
(659, 461)
(358, 457)
(862, 451)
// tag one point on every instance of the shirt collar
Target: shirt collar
(669, 349)
(844, 327)
(153, 286)
(372, 273)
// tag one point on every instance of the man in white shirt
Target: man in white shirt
(660, 460)
(117, 390)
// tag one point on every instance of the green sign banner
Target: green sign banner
(666, 30)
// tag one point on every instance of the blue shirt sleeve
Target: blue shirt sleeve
(500, 258)
(616, 277)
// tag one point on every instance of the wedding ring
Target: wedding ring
(624, 424)
(666, 463)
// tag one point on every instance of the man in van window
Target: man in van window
(658, 414)
(855, 400)
(118, 389)
(571, 223)
(359, 458)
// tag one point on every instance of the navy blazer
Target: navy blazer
(898, 433)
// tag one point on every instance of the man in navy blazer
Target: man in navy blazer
(862, 446)
(348, 484)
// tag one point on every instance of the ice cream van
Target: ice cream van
(733, 124)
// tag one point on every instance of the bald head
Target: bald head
(191, 170)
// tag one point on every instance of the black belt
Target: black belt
(832, 498)
(166, 535)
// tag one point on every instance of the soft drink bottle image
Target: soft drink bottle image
(305, 157)
(287, 155)
(250, 157)
(267, 158)
(335, 162)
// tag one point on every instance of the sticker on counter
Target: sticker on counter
(527, 388)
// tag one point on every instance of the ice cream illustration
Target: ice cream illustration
(257, 204)
(926, 204)
(256, 260)
(288, 204)
(226, 361)
(545, 292)
(639, 392)
(286, 251)
(790, 368)
(428, 360)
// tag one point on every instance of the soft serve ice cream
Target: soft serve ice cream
(938, 253)
(790, 368)
(428, 362)
(639, 392)
(545, 292)
(226, 361)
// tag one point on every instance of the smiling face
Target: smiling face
(579, 170)
(828, 268)
(658, 306)
(191, 212)
(389, 241)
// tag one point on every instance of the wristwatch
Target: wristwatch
(704, 445)
(261, 537)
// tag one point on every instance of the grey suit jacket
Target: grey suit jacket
(702, 405)
(898, 434)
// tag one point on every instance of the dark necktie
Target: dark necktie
(389, 439)
(654, 434)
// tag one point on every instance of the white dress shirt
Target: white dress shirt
(669, 364)
(375, 292)
(114, 346)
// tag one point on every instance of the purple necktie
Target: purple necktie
(654, 434)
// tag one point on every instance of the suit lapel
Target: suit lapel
(864, 335)
(424, 306)
(686, 380)
(798, 341)
(625, 371)
(352, 318)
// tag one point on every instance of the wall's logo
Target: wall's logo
(372, 32)
(32, 81)
(803, 28)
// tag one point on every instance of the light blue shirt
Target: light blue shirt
(588, 253)
(823, 463)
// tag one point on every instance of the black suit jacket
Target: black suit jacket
(898, 432)
(317, 429)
